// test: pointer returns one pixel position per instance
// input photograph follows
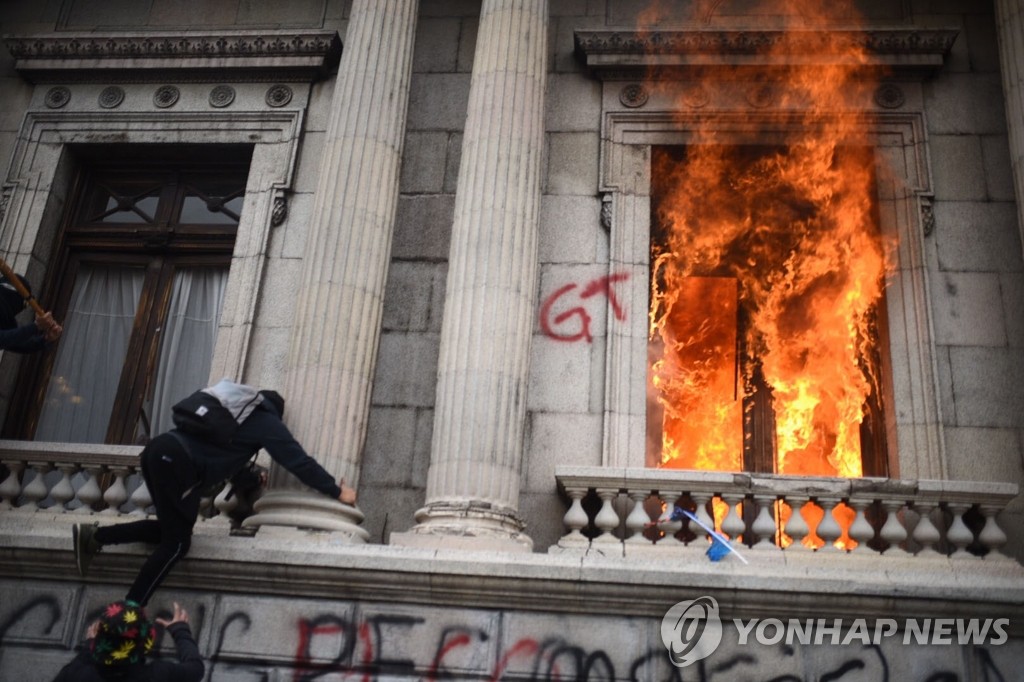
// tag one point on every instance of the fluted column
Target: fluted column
(473, 480)
(1010, 29)
(337, 331)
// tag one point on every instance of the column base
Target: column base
(307, 510)
(471, 526)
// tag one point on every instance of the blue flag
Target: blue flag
(720, 545)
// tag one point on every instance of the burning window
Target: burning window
(767, 310)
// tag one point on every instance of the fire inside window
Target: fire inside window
(767, 323)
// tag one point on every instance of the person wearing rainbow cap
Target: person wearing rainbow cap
(118, 643)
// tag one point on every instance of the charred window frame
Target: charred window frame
(758, 414)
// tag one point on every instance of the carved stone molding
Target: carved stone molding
(5, 199)
(222, 96)
(606, 211)
(633, 96)
(626, 54)
(278, 95)
(166, 96)
(111, 97)
(890, 96)
(927, 215)
(57, 97)
(271, 55)
(279, 212)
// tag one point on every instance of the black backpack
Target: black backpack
(202, 415)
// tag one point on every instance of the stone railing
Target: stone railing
(629, 510)
(59, 478)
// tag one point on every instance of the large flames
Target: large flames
(767, 279)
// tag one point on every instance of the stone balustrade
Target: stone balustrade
(629, 510)
(81, 479)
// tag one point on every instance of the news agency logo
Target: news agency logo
(691, 630)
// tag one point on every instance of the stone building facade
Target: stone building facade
(428, 223)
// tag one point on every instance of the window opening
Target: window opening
(765, 330)
(765, 325)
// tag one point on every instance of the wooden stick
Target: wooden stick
(15, 281)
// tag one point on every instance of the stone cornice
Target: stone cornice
(269, 55)
(613, 54)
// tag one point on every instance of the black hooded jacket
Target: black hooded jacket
(189, 667)
(24, 339)
(262, 429)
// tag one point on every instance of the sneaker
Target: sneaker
(84, 538)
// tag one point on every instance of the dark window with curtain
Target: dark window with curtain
(139, 275)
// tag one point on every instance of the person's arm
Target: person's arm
(48, 327)
(82, 662)
(76, 669)
(277, 440)
(24, 339)
(190, 667)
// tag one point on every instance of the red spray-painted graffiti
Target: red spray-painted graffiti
(601, 285)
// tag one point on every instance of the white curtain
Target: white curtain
(186, 343)
(90, 355)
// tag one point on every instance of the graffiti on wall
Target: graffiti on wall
(573, 324)
(329, 645)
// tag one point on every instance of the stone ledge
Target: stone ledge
(618, 54)
(324, 565)
(267, 55)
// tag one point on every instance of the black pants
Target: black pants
(172, 482)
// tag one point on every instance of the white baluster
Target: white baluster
(701, 512)
(925, 533)
(763, 527)
(10, 489)
(89, 494)
(668, 527)
(638, 519)
(959, 535)
(607, 520)
(206, 508)
(732, 524)
(893, 531)
(63, 492)
(829, 529)
(224, 503)
(992, 536)
(860, 530)
(36, 491)
(575, 520)
(116, 494)
(140, 500)
(796, 526)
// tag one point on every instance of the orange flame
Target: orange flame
(771, 262)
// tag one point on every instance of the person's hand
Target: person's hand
(180, 616)
(93, 630)
(348, 494)
(48, 326)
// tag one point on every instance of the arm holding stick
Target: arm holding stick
(45, 323)
(15, 282)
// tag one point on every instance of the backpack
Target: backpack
(214, 414)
